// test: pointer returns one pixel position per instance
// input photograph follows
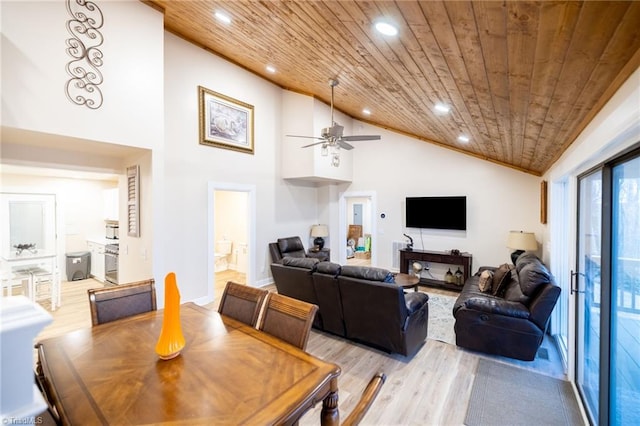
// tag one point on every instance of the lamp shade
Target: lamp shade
(319, 231)
(519, 240)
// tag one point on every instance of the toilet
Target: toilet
(221, 252)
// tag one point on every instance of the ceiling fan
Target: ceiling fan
(332, 137)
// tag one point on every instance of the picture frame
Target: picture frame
(543, 202)
(225, 122)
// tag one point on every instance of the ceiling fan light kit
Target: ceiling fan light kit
(331, 138)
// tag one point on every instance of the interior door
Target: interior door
(357, 214)
(588, 286)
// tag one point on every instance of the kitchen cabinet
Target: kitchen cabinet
(111, 203)
(97, 260)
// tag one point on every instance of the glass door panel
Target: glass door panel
(625, 281)
(588, 284)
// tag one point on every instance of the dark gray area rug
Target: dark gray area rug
(506, 395)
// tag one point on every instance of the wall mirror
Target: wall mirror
(29, 222)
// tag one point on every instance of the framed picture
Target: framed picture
(225, 122)
(543, 202)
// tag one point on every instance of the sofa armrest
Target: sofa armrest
(493, 305)
(415, 301)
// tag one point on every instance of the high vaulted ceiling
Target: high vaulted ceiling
(522, 78)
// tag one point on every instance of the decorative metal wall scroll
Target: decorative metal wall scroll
(83, 46)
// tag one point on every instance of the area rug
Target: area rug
(441, 318)
(503, 394)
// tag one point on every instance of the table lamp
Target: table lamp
(319, 232)
(521, 242)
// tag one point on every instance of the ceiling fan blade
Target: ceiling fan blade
(361, 138)
(345, 145)
(306, 137)
(313, 144)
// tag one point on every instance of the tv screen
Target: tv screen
(437, 212)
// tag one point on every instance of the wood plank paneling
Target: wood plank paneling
(523, 78)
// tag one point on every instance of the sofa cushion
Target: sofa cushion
(512, 291)
(415, 300)
(501, 277)
(532, 276)
(300, 262)
(328, 268)
(367, 273)
(291, 246)
(525, 259)
(485, 281)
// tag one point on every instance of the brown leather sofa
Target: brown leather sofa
(513, 322)
(355, 302)
(293, 247)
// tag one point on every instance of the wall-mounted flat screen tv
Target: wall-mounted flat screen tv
(436, 212)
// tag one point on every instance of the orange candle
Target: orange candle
(171, 340)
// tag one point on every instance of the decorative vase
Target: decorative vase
(459, 277)
(171, 340)
(448, 277)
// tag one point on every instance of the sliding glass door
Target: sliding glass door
(625, 280)
(607, 282)
(588, 286)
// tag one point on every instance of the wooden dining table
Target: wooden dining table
(228, 373)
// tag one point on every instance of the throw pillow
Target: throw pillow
(485, 281)
(501, 278)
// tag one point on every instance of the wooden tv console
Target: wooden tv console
(463, 260)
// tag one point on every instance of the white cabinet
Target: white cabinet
(111, 203)
(97, 260)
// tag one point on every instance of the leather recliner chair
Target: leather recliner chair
(513, 322)
(292, 247)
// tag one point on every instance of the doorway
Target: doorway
(231, 236)
(357, 228)
(608, 288)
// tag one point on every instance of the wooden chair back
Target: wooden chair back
(288, 319)
(242, 302)
(112, 303)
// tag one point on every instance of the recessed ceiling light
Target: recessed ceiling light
(442, 108)
(463, 138)
(366, 112)
(271, 69)
(223, 17)
(386, 28)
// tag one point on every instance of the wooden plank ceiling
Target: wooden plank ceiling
(522, 78)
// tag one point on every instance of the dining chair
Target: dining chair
(288, 319)
(112, 303)
(242, 302)
(366, 399)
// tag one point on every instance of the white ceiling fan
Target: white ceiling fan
(332, 137)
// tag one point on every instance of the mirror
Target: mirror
(29, 221)
(26, 224)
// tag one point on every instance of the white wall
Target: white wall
(34, 73)
(499, 199)
(282, 208)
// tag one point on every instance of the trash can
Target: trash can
(78, 265)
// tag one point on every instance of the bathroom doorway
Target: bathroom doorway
(231, 235)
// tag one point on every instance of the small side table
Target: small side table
(407, 281)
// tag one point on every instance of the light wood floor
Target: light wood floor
(433, 388)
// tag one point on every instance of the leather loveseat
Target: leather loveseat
(512, 322)
(355, 302)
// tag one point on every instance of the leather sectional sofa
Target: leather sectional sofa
(357, 302)
(513, 321)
